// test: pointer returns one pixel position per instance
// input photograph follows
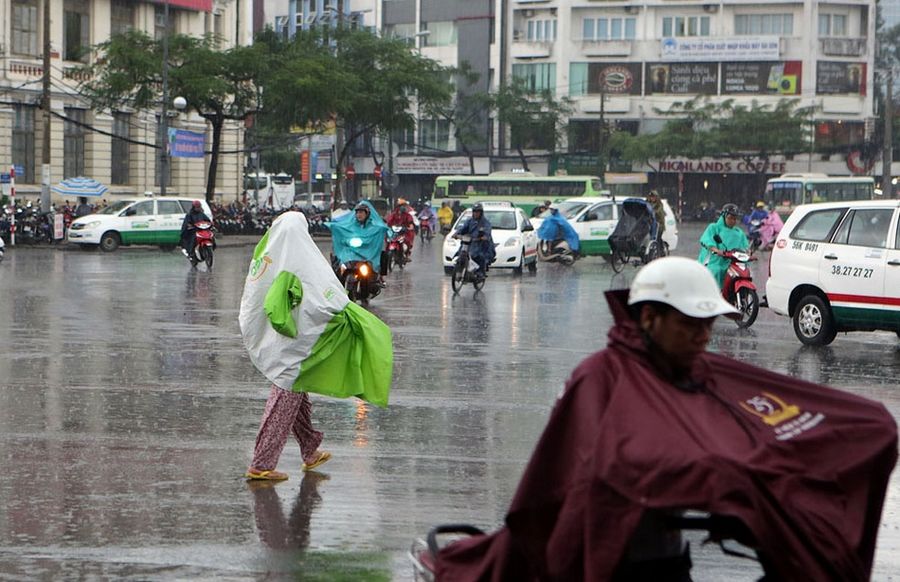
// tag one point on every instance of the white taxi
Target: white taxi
(594, 219)
(836, 267)
(155, 221)
(514, 238)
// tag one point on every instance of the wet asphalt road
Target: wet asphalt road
(128, 412)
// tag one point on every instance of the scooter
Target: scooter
(396, 247)
(359, 277)
(754, 235)
(739, 289)
(557, 251)
(204, 244)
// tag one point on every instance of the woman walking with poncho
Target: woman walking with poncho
(304, 334)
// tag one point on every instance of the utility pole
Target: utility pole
(164, 115)
(45, 114)
(887, 154)
(338, 130)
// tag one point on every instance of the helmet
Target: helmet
(653, 193)
(731, 209)
(197, 204)
(402, 202)
(361, 206)
(478, 206)
(760, 204)
(681, 283)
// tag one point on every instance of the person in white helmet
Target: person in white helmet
(654, 425)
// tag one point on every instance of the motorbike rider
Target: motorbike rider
(557, 230)
(188, 227)
(427, 217)
(540, 208)
(445, 217)
(481, 249)
(659, 211)
(601, 494)
(401, 217)
(733, 239)
(368, 227)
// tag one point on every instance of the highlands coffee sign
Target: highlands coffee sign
(721, 167)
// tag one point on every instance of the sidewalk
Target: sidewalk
(222, 240)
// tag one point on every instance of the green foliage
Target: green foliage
(534, 117)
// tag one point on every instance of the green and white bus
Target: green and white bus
(790, 190)
(524, 189)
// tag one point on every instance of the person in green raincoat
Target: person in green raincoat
(733, 238)
(305, 335)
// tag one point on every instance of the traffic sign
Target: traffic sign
(350, 172)
(377, 172)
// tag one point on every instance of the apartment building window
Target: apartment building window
(775, 24)
(608, 28)
(541, 30)
(404, 139)
(832, 25)
(121, 16)
(121, 149)
(73, 143)
(537, 76)
(434, 135)
(402, 31)
(685, 26)
(24, 27)
(23, 141)
(76, 30)
(442, 33)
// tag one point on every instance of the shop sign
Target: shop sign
(429, 165)
(743, 48)
(762, 78)
(614, 78)
(683, 78)
(720, 167)
(834, 77)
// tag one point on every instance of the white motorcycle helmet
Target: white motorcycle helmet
(683, 284)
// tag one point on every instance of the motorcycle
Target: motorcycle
(754, 234)
(204, 244)
(426, 233)
(359, 277)
(396, 247)
(739, 289)
(557, 251)
(465, 270)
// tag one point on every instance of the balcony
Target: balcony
(530, 50)
(606, 48)
(24, 68)
(842, 47)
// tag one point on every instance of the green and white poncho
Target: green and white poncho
(301, 330)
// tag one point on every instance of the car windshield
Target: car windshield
(115, 207)
(499, 219)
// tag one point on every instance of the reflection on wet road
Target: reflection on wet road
(128, 411)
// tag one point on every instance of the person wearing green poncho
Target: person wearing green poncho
(304, 334)
(732, 238)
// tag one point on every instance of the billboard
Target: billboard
(682, 78)
(837, 77)
(614, 78)
(762, 78)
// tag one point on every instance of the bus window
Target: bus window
(596, 185)
(440, 192)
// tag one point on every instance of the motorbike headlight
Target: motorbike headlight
(512, 242)
(364, 270)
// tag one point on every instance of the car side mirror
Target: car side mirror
(130, 212)
(527, 226)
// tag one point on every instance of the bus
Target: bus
(790, 190)
(524, 189)
(270, 190)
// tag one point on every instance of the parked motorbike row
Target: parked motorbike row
(28, 223)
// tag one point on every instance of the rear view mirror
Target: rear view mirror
(526, 227)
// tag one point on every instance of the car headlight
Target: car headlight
(512, 242)
(92, 224)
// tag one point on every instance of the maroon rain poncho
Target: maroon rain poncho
(805, 467)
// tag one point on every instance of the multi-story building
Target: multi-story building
(650, 54)
(85, 141)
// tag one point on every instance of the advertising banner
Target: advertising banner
(682, 78)
(835, 77)
(614, 78)
(742, 48)
(186, 144)
(762, 78)
(429, 165)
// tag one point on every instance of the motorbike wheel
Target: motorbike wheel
(617, 261)
(350, 286)
(458, 278)
(543, 250)
(479, 283)
(748, 302)
(652, 252)
(207, 254)
(399, 258)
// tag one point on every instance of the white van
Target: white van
(836, 267)
(594, 219)
(139, 221)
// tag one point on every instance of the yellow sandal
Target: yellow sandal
(320, 460)
(265, 475)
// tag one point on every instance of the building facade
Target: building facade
(114, 147)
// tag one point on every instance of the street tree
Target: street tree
(218, 85)
(535, 117)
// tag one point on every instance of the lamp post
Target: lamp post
(887, 155)
(164, 121)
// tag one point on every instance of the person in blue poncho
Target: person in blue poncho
(482, 247)
(733, 238)
(556, 229)
(359, 236)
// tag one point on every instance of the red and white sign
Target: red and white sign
(350, 172)
(377, 172)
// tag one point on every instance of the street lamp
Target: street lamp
(164, 121)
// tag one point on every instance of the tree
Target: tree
(374, 86)
(534, 117)
(218, 85)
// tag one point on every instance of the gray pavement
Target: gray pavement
(128, 412)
